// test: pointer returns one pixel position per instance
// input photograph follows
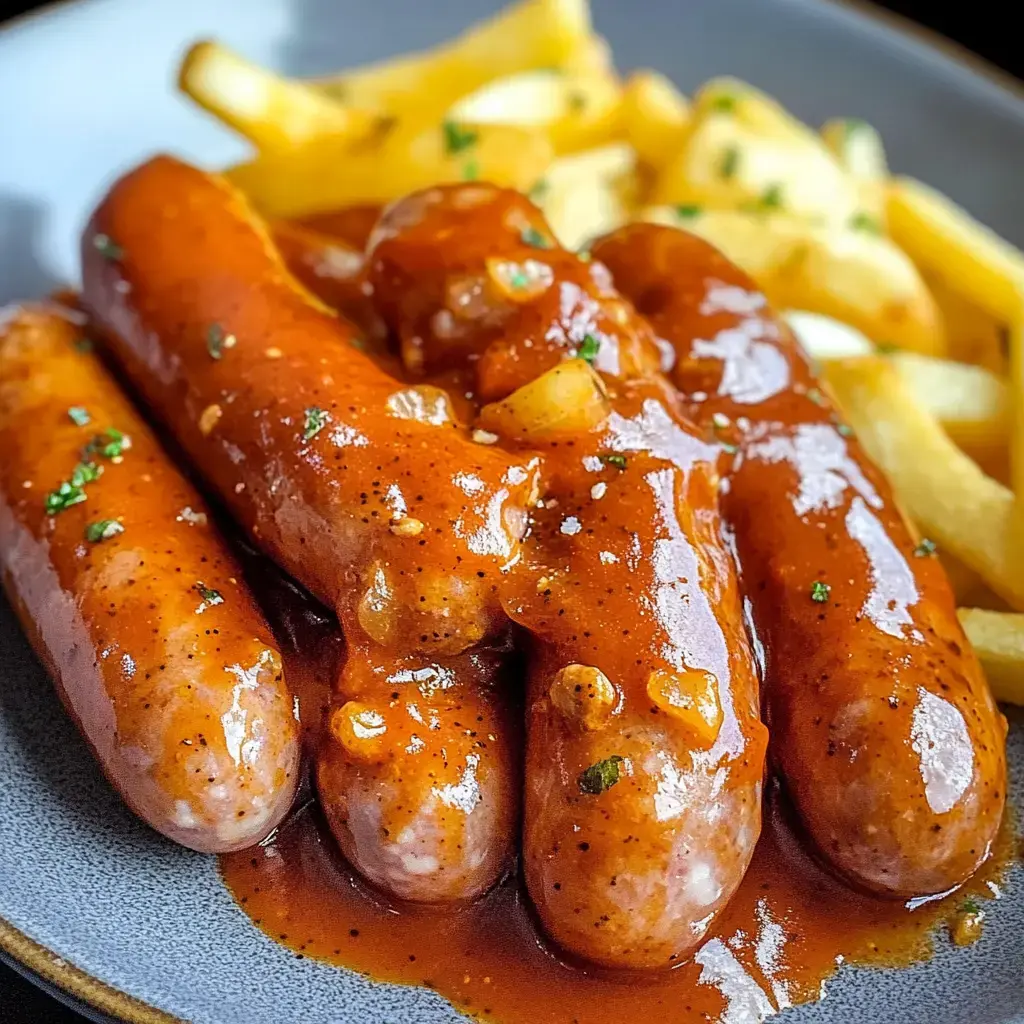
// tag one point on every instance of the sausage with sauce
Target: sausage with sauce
(881, 720)
(644, 748)
(132, 601)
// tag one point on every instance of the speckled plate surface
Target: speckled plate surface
(92, 900)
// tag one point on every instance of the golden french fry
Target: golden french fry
(856, 277)
(824, 338)
(969, 589)
(947, 241)
(588, 194)
(566, 400)
(998, 640)
(972, 404)
(726, 164)
(973, 334)
(576, 111)
(1017, 418)
(272, 112)
(655, 116)
(858, 148)
(942, 490)
(527, 35)
(753, 109)
(328, 175)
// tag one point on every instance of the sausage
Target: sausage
(367, 490)
(420, 777)
(132, 601)
(372, 496)
(882, 724)
(645, 752)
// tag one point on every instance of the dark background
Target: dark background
(983, 26)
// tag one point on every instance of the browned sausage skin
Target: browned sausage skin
(644, 752)
(367, 490)
(132, 601)
(880, 718)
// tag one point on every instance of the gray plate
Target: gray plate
(88, 893)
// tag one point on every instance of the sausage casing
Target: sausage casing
(881, 720)
(133, 602)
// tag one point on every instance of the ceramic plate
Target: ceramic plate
(90, 899)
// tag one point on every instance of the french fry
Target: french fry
(1017, 419)
(973, 334)
(525, 36)
(824, 338)
(972, 404)
(998, 640)
(588, 194)
(726, 164)
(947, 241)
(859, 149)
(752, 109)
(274, 113)
(941, 489)
(969, 589)
(856, 277)
(655, 117)
(576, 111)
(328, 175)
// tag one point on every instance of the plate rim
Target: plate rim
(45, 967)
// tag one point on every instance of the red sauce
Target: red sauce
(776, 942)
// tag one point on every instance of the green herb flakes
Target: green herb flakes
(600, 777)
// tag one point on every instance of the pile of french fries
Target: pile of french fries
(913, 309)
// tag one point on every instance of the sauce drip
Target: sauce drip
(772, 947)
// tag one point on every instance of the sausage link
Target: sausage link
(367, 490)
(881, 720)
(385, 509)
(132, 601)
(645, 752)
(418, 779)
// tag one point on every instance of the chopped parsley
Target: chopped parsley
(84, 345)
(531, 236)
(107, 247)
(725, 103)
(316, 420)
(210, 596)
(844, 430)
(65, 496)
(111, 444)
(471, 170)
(687, 211)
(926, 548)
(457, 138)
(589, 348)
(102, 529)
(85, 473)
(970, 906)
(217, 341)
(852, 125)
(771, 198)
(865, 222)
(518, 279)
(815, 395)
(577, 101)
(616, 460)
(539, 191)
(730, 162)
(601, 776)
(820, 591)
(79, 415)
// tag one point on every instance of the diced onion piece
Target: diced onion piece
(360, 729)
(568, 400)
(585, 695)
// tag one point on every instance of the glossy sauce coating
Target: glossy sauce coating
(335, 470)
(881, 721)
(368, 491)
(639, 821)
(154, 642)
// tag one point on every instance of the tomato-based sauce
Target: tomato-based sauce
(772, 947)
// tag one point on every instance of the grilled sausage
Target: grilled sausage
(881, 720)
(372, 496)
(133, 602)
(419, 781)
(645, 752)
(367, 490)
